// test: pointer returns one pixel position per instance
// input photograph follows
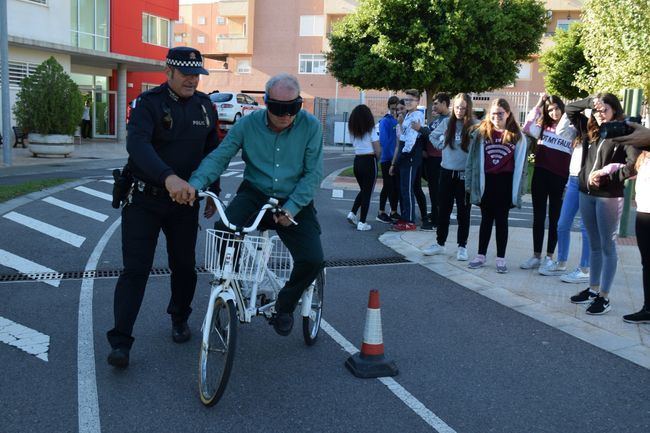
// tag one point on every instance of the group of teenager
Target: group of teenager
(467, 161)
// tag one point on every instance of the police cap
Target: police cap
(188, 60)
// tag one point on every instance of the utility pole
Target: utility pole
(4, 74)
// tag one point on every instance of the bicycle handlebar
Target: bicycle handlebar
(273, 205)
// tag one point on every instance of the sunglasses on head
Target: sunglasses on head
(284, 108)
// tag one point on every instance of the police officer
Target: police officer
(171, 128)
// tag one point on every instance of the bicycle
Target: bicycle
(248, 272)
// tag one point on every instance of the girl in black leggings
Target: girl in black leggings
(365, 139)
(552, 159)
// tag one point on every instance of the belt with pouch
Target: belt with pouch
(148, 189)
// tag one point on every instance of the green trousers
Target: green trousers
(302, 240)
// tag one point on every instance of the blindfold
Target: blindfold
(284, 108)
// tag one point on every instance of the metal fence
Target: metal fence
(334, 113)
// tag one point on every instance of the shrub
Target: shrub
(49, 102)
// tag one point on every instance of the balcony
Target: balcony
(233, 44)
(339, 7)
(564, 5)
(234, 8)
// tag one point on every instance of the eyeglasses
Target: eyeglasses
(602, 110)
(498, 114)
(284, 108)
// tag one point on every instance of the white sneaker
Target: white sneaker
(434, 250)
(461, 255)
(531, 263)
(575, 277)
(552, 269)
(545, 262)
(363, 227)
(353, 219)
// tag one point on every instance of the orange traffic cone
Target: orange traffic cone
(370, 362)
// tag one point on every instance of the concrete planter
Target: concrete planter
(51, 144)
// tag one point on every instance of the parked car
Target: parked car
(232, 106)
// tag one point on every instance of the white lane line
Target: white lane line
(400, 392)
(240, 175)
(27, 267)
(111, 181)
(24, 338)
(235, 163)
(229, 173)
(95, 193)
(88, 404)
(76, 209)
(337, 193)
(47, 229)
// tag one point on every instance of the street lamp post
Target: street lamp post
(4, 74)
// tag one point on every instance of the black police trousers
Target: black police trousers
(142, 221)
(302, 241)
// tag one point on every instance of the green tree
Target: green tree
(564, 61)
(451, 45)
(48, 101)
(617, 44)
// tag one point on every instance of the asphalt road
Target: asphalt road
(467, 363)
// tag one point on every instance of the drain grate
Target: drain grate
(114, 273)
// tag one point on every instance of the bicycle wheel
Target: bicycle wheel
(217, 353)
(311, 323)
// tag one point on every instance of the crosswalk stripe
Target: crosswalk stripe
(94, 192)
(111, 181)
(241, 175)
(76, 209)
(26, 267)
(229, 173)
(45, 228)
(235, 163)
(24, 338)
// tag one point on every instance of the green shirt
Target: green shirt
(285, 165)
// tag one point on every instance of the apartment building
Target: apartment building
(247, 41)
(112, 49)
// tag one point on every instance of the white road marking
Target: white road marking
(240, 175)
(337, 193)
(88, 404)
(228, 195)
(26, 267)
(47, 229)
(24, 338)
(95, 193)
(111, 181)
(76, 209)
(229, 173)
(235, 163)
(400, 392)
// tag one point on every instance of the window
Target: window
(244, 66)
(200, 39)
(148, 86)
(155, 30)
(221, 21)
(312, 64)
(564, 24)
(524, 71)
(40, 2)
(312, 25)
(18, 71)
(89, 24)
(201, 21)
(178, 38)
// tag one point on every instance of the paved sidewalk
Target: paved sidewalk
(543, 298)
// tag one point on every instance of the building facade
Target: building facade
(249, 41)
(112, 49)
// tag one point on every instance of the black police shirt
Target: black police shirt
(169, 135)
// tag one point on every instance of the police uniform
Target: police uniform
(166, 135)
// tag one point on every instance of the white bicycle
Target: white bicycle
(248, 271)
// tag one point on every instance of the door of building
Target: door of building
(104, 114)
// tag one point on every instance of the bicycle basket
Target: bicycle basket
(227, 256)
(280, 261)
